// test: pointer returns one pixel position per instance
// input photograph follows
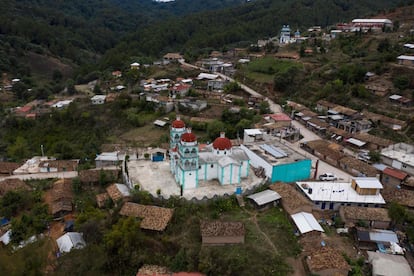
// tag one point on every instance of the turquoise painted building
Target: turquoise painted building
(279, 162)
(292, 172)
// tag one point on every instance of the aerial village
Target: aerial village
(319, 165)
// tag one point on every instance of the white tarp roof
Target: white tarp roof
(404, 57)
(70, 240)
(160, 123)
(123, 189)
(409, 45)
(395, 97)
(253, 131)
(306, 222)
(372, 20)
(6, 237)
(389, 265)
(107, 156)
(356, 142)
(98, 97)
(207, 76)
(265, 197)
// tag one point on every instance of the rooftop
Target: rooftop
(275, 153)
(402, 196)
(306, 222)
(368, 182)
(395, 173)
(264, 197)
(365, 213)
(291, 198)
(327, 258)
(336, 192)
(377, 235)
(358, 165)
(118, 191)
(153, 217)
(219, 228)
(402, 152)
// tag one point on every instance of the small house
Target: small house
(375, 239)
(172, 57)
(222, 232)
(291, 200)
(7, 168)
(372, 217)
(327, 261)
(373, 142)
(307, 224)
(135, 66)
(108, 159)
(152, 217)
(265, 199)
(393, 177)
(69, 241)
(405, 60)
(357, 167)
(62, 197)
(98, 99)
(118, 192)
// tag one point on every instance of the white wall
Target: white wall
(256, 161)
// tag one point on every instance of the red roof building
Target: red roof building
(277, 117)
(395, 173)
(393, 177)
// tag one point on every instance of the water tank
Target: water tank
(310, 191)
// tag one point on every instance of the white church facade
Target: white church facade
(217, 161)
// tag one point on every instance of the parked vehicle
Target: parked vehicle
(328, 177)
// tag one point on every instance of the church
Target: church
(219, 160)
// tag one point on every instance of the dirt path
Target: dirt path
(269, 241)
(297, 265)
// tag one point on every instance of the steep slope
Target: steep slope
(244, 23)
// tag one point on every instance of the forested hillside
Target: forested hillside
(240, 25)
(81, 31)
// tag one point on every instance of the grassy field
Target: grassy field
(30, 260)
(263, 70)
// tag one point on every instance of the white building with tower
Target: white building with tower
(285, 35)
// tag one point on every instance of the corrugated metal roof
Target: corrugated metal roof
(264, 197)
(275, 151)
(306, 222)
(395, 173)
(383, 236)
(356, 142)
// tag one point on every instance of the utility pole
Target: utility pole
(41, 149)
